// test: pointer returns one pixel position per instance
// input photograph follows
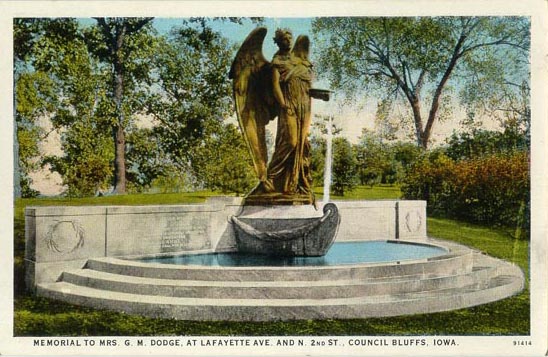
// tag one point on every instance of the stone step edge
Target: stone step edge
(71, 276)
(91, 273)
(262, 312)
(66, 289)
(273, 290)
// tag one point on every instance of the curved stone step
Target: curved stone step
(450, 264)
(284, 289)
(284, 309)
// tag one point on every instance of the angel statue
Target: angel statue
(265, 90)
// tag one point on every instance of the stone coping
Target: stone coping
(46, 211)
(210, 205)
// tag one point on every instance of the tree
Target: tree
(317, 158)
(481, 143)
(223, 162)
(344, 166)
(416, 57)
(25, 131)
(80, 110)
(405, 153)
(385, 126)
(81, 105)
(180, 80)
(145, 159)
(191, 66)
(116, 44)
(510, 106)
(37, 46)
(86, 163)
(372, 159)
(33, 91)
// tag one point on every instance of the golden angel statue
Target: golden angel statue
(265, 90)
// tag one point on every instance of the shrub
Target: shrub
(490, 189)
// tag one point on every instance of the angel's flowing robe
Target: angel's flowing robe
(289, 168)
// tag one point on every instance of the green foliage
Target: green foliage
(344, 167)
(317, 159)
(28, 154)
(173, 181)
(479, 143)
(490, 189)
(223, 162)
(191, 69)
(382, 162)
(132, 61)
(373, 159)
(64, 85)
(86, 164)
(72, 75)
(146, 161)
(34, 97)
(405, 153)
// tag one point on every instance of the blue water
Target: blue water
(339, 253)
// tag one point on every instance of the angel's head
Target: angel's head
(283, 38)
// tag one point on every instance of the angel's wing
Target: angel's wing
(255, 105)
(301, 47)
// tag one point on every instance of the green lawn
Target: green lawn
(42, 317)
(380, 192)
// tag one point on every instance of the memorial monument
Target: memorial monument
(279, 89)
(191, 261)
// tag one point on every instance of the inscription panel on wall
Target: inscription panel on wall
(185, 232)
(130, 234)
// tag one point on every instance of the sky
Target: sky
(236, 33)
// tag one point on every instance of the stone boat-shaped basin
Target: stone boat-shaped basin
(309, 237)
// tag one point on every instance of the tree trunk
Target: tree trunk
(434, 107)
(119, 128)
(119, 160)
(422, 139)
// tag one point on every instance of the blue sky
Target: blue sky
(236, 33)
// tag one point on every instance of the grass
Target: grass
(379, 192)
(35, 316)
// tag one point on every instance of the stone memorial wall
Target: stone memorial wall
(63, 238)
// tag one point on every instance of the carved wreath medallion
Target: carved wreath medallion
(65, 236)
(413, 221)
